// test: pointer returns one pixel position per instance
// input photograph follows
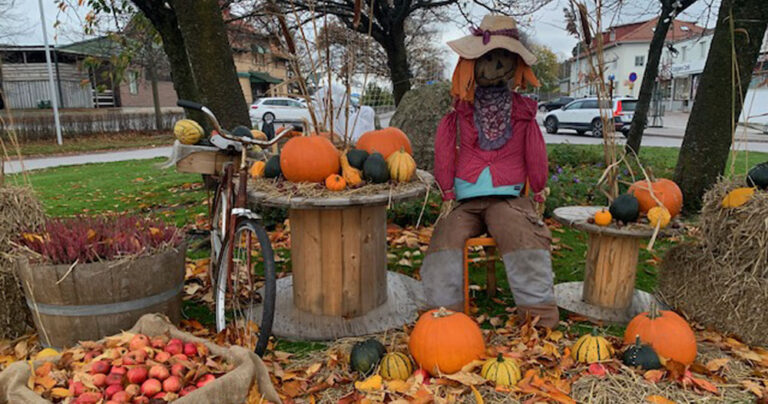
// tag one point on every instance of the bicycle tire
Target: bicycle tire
(270, 287)
(217, 233)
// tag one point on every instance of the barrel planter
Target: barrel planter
(90, 301)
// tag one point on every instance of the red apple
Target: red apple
(172, 384)
(121, 397)
(76, 388)
(178, 369)
(132, 390)
(114, 378)
(136, 357)
(100, 367)
(162, 357)
(205, 380)
(151, 387)
(179, 357)
(190, 349)
(187, 390)
(90, 355)
(175, 341)
(140, 400)
(99, 379)
(119, 370)
(137, 375)
(90, 397)
(112, 389)
(173, 348)
(158, 342)
(424, 375)
(139, 341)
(159, 372)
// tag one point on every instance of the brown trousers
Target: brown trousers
(523, 242)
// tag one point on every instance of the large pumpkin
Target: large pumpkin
(444, 341)
(666, 332)
(385, 141)
(667, 192)
(309, 159)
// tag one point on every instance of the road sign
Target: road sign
(632, 77)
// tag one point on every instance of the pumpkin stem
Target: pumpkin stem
(594, 332)
(653, 313)
(637, 340)
(500, 358)
(442, 312)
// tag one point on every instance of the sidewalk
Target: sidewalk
(675, 122)
(12, 167)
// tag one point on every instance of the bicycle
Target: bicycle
(235, 231)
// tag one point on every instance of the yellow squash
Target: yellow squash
(659, 216)
(401, 166)
(351, 175)
(187, 131)
(395, 366)
(501, 371)
(257, 169)
(738, 197)
(591, 348)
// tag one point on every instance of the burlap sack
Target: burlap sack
(232, 388)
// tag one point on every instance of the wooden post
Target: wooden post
(609, 277)
(339, 260)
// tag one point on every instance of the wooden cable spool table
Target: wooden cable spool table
(608, 291)
(340, 285)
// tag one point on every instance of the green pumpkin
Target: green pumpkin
(625, 208)
(375, 169)
(357, 157)
(272, 169)
(366, 355)
(641, 355)
(241, 131)
(758, 176)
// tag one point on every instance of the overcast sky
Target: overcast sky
(546, 26)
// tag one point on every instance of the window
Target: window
(574, 105)
(639, 60)
(589, 104)
(133, 82)
(684, 53)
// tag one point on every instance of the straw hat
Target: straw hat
(496, 31)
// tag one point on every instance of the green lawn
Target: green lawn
(141, 187)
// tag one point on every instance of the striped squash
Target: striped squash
(591, 348)
(187, 131)
(501, 371)
(396, 366)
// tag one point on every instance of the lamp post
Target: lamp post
(51, 85)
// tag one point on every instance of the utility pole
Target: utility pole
(51, 85)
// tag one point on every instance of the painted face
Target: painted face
(495, 68)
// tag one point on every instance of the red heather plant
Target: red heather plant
(90, 239)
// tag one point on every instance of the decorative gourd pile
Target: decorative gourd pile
(127, 368)
(639, 205)
(379, 156)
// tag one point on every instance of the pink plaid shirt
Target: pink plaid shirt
(524, 156)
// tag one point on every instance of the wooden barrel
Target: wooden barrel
(339, 260)
(95, 300)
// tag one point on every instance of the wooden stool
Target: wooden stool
(490, 266)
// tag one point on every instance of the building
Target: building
(625, 48)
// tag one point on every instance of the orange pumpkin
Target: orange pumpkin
(385, 141)
(668, 333)
(668, 193)
(257, 169)
(444, 341)
(309, 159)
(603, 217)
(335, 182)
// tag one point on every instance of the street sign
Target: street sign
(632, 77)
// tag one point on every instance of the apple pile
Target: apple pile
(130, 368)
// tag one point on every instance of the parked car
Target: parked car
(557, 103)
(269, 109)
(583, 115)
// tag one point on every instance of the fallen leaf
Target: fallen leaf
(312, 369)
(466, 378)
(715, 364)
(654, 376)
(60, 392)
(596, 369)
(372, 383)
(478, 397)
(398, 386)
(704, 385)
(656, 399)
(753, 388)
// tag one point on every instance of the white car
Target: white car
(280, 109)
(583, 115)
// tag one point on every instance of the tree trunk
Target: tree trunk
(640, 118)
(155, 97)
(397, 61)
(708, 135)
(210, 56)
(2, 94)
(164, 21)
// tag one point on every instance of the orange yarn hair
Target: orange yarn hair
(464, 78)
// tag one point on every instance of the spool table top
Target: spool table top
(415, 189)
(576, 217)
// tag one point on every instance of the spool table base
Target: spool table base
(569, 296)
(405, 298)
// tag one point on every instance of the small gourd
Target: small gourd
(401, 166)
(375, 169)
(187, 131)
(257, 169)
(272, 168)
(335, 182)
(373, 383)
(257, 134)
(357, 157)
(641, 355)
(603, 218)
(659, 216)
(738, 197)
(501, 371)
(366, 355)
(352, 175)
(625, 208)
(396, 366)
(592, 348)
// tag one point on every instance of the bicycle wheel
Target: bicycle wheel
(222, 201)
(236, 288)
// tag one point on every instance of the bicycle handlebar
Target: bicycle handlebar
(215, 122)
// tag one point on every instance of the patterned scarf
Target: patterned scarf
(492, 116)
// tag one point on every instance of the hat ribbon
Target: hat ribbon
(486, 33)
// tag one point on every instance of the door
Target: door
(569, 113)
(587, 113)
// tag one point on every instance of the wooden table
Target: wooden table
(608, 290)
(340, 285)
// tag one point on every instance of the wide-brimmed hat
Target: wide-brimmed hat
(496, 31)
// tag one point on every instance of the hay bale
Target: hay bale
(721, 280)
(19, 210)
(418, 115)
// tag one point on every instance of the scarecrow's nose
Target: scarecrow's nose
(499, 66)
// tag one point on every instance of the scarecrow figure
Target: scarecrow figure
(483, 181)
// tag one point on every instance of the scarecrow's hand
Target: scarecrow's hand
(446, 208)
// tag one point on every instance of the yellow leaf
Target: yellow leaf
(753, 388)
(555, 335)
(372, 383)
(46, 353)
(738, 197)
(715, 364)
(314, 368)
(46, 381)
(154, 231)
(656, 399)
(478, 397)
(59, 392)
(398, 386)
(466, 378)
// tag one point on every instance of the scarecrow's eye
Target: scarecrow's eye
(499, 66)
